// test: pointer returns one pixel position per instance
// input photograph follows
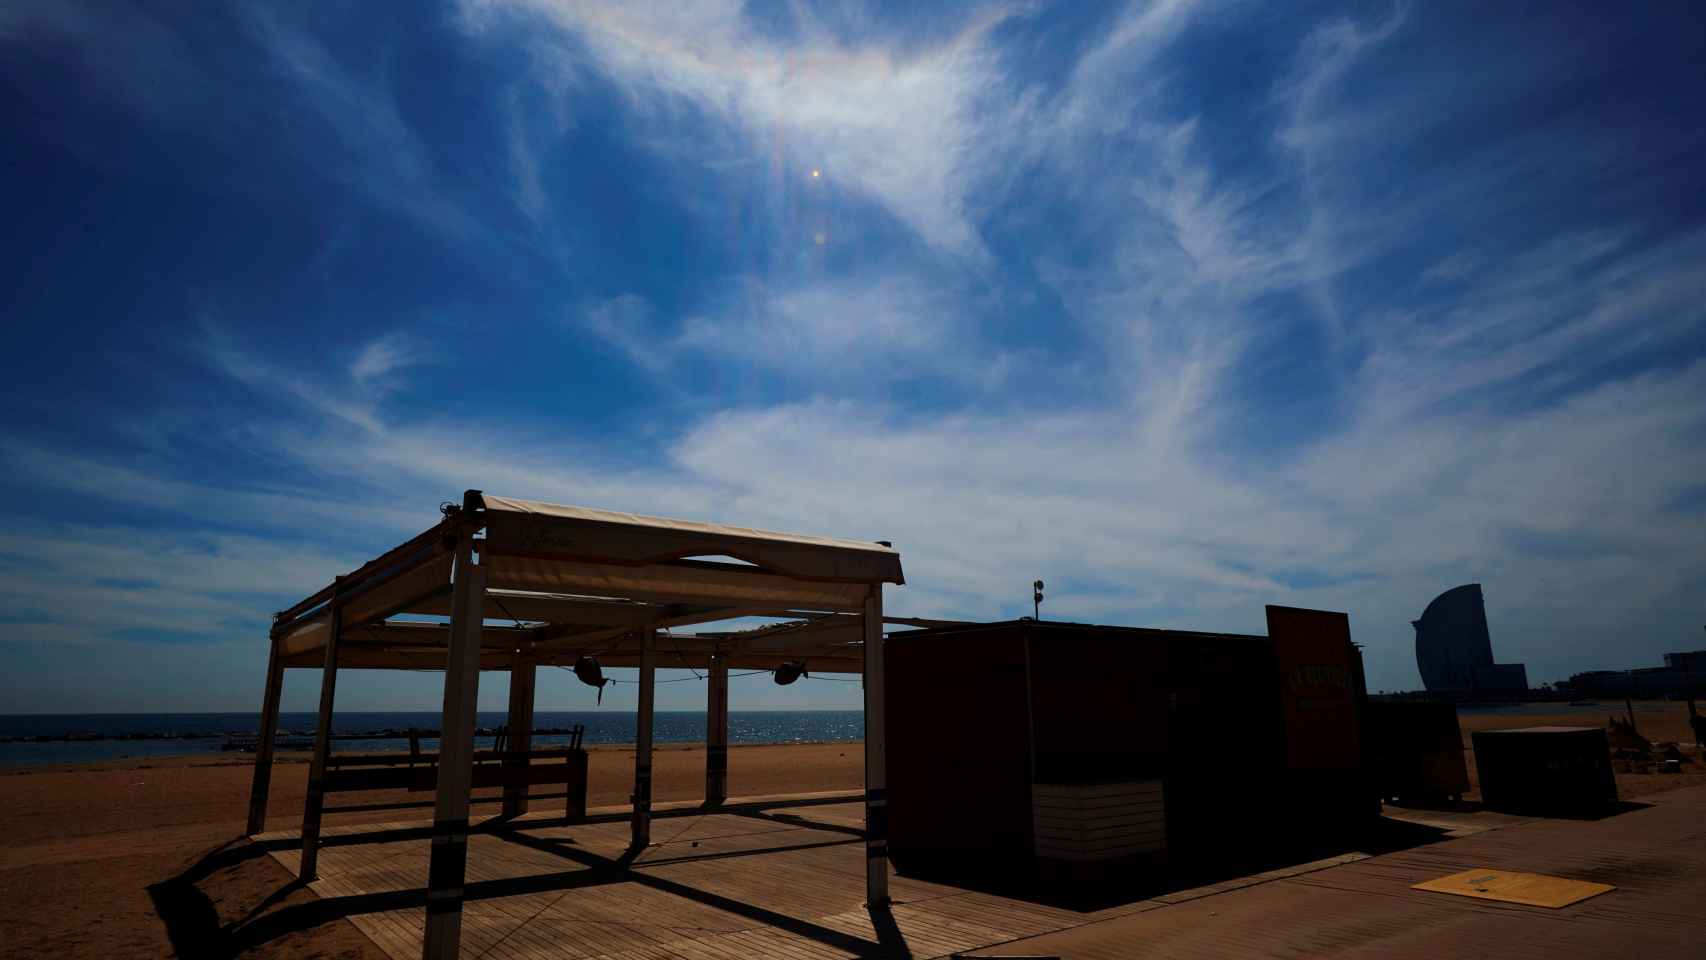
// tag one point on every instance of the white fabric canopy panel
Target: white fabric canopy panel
(528, 528)
(734, 585)
(580, 569)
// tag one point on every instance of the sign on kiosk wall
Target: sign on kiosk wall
(1318, 687)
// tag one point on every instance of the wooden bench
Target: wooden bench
(418, 771)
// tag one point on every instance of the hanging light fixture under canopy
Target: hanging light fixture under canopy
(789, 672)
(588, 670)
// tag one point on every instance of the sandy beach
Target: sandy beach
(1658, 721)
(104, 860)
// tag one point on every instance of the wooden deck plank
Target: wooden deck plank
(709, 888)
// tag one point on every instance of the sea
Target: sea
(32, 739)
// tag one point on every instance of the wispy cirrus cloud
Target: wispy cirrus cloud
(276, 380)
(373, 148)
(881, 326)
(915, 130)
(199, 587)
(1182, 306)
(114, 46)
(1136, 523)
(629, 323)
(1417, 480)
(385, 357)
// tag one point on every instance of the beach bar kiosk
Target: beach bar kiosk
(1099, 748)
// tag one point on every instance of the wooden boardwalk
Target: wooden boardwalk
(781, 878)
(1654, 855)
(784, 878)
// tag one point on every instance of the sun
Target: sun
(816, 173)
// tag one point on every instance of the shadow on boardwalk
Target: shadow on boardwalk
(197, 930)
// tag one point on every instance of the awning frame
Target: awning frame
(575, 580)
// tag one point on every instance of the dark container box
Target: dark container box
(1546, 770)
(1415, 750)
(958, 747)
(1248, 741)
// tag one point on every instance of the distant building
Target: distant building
(1694, 661)
(1684, 674)
(1454, 651)
(1502, 676)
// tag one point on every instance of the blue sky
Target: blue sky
(1185, 307)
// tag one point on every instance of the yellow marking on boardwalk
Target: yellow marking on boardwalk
(1533, 889)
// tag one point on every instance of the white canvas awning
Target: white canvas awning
(603, 538)
(573, 579)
